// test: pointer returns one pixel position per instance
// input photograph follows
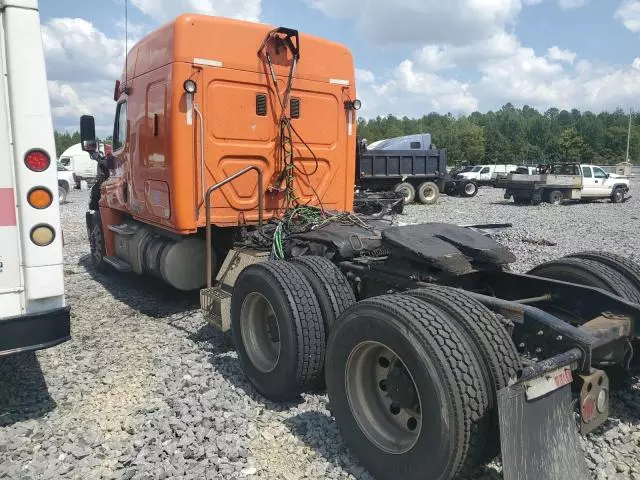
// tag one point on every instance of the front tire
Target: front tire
(618, 195)
(62, 194)
(470, 189)
(96, 242)
(428, 193)
(408, 192)
(406, 390)
(278, 330)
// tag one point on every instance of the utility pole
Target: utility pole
(629, 134)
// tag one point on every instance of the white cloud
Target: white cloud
(561, 55)
(364, 76)
(409, 91)
(70, 101)
(571, 4)
(629, 14)
(162, 10)
(440, 57)
(82, 66)
(456, 22)
(75, 48)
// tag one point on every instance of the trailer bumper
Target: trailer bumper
(25, 333)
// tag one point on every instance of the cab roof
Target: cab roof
(223, 42)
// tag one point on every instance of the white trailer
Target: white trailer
(33, 311)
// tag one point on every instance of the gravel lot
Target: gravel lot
(147, 389)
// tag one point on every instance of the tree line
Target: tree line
(65, 140)
(510, 135)
(518, 135)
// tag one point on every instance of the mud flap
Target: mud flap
(539, 436)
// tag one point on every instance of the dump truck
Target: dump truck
(555, 183)
(33, 310)
(409, 165)
(233, 173)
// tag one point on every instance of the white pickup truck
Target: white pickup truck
(559, 182)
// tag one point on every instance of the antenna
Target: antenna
(629, 134)
(126, 42)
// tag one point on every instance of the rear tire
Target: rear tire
(589, 273)
(490, 338)
(408, 192)
(428, 193)
(431, 370)
(625, 267)
(278, 330)
(332, 289)
(555, 197)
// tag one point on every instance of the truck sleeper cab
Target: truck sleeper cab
(197, 105)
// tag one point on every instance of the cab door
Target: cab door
(485, 174)
(589, 185)
(604, 185)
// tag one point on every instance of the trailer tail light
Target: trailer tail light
(37, 160)
(40, 198)
(43, 235)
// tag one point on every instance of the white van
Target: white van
(79, 163)
(483, 174)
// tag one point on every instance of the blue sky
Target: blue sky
(412, 56)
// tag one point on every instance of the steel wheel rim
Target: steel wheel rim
(406, 193)
(429, 193)
(393, 428)
(469, 188)
(619, 195)
(260, 332)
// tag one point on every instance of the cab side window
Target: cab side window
(485, 170)
(120, 127)
(586, 172)
(599, 173)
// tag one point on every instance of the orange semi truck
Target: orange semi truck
(197, 104)
(234, 150)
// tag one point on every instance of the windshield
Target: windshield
(476, 169)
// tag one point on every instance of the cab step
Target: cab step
(124, 229)
(215, 303)
(118, 264)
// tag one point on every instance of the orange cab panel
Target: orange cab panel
(233, 120)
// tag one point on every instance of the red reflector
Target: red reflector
(37, 160)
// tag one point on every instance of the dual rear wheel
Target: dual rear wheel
(411, 378)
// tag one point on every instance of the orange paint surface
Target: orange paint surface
(159, 176)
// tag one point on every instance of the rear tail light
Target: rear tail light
(37, 160)
(39, 197)
(43, 235)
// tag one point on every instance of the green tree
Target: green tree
(571, 144)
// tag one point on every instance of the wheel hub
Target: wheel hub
(400, 388)
(383, 397)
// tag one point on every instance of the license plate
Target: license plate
(547, 383)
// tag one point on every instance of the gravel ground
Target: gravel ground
(147, 389)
